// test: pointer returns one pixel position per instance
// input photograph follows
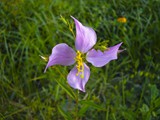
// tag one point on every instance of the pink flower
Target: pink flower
(86, 38)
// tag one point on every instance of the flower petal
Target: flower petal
(76, 81)
(62, 54)
(99, 58)
(85, 37)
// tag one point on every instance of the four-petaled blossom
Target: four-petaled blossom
(86, 38)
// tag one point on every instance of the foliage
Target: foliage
(125, 89)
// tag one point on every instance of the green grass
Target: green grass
(125, 89)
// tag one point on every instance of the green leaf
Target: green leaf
(144, 108)
(92, 104)
(128, 115)
(67, 89)
(157, 103)
(83, 110)
(67, 116)
(154, 92)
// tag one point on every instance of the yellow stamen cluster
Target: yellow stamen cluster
(80, 66)
(122, 20)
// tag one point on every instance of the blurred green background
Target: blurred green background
(125, 89)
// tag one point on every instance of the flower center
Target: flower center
(79, 66)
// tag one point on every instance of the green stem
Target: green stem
(77, 102)
(107, 114)
(123, 92)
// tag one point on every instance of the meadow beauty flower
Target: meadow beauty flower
(86, 38)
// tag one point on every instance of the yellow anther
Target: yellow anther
(80, 66)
